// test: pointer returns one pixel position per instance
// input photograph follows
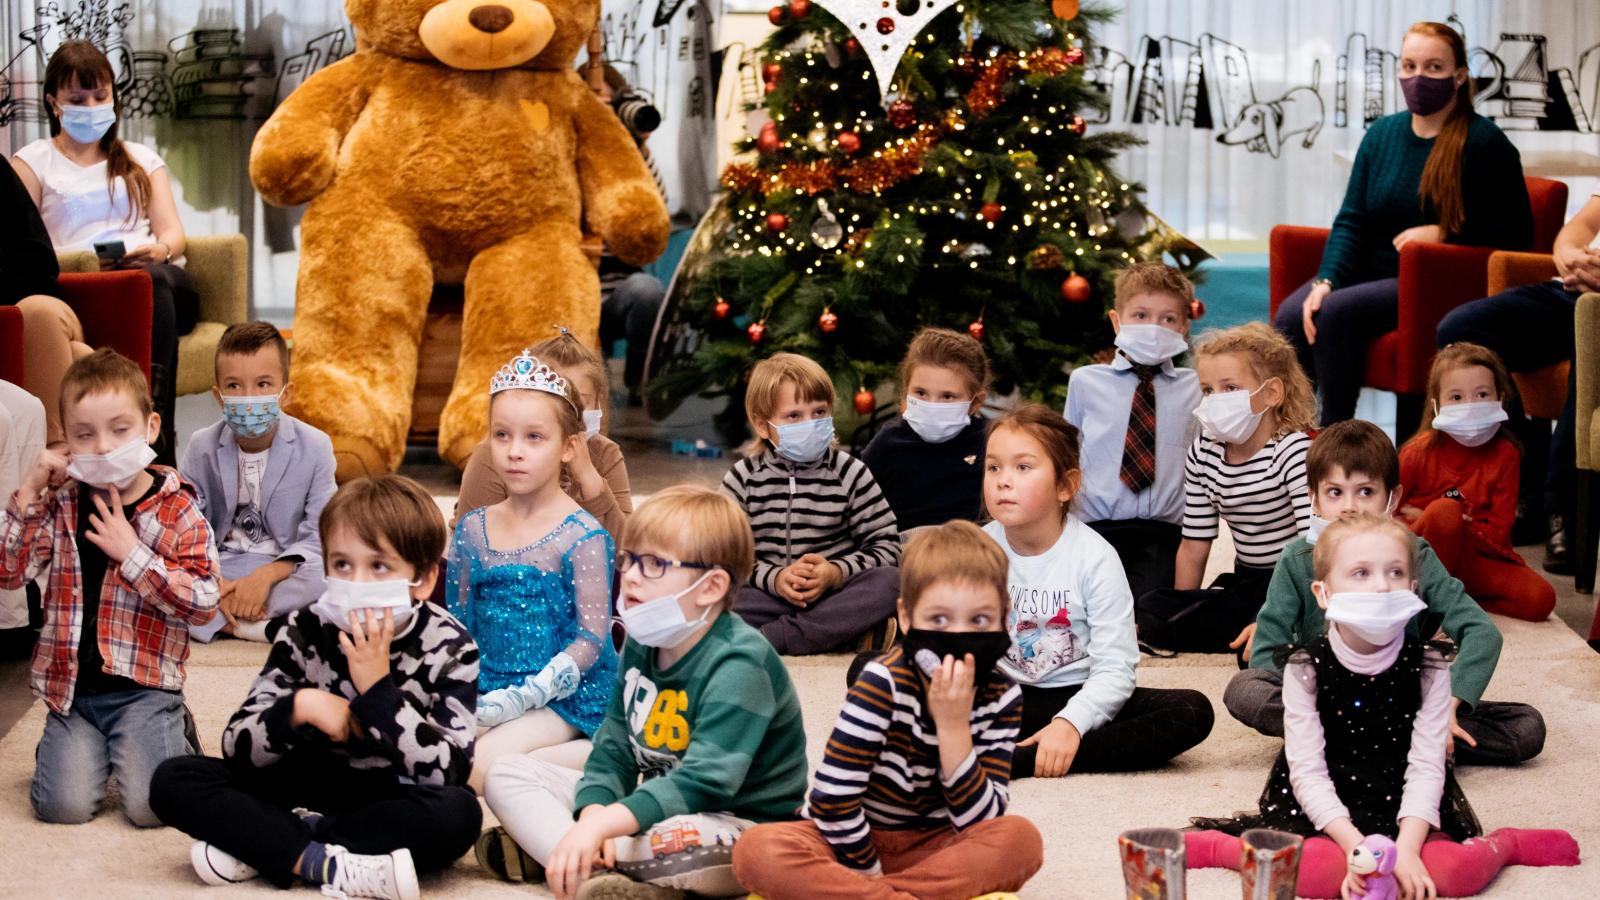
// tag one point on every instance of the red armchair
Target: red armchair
(1434, 279)
(114, 308)
(10, 344)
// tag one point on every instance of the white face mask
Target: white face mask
(660, 622)
(116, 469)
(591, 421)
(1150, 345)
(1225, 416)
(341, 598)
(1471, 424)
(937, 422)
(804, 442)
(1314, 531)
(1377, 618)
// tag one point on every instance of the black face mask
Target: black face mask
(928, 648)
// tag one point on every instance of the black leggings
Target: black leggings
(1204, 620)
(1151, 728)
(175, 312)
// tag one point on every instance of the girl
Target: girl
(1248, 467)
(597, 477)
(1460, 474)
(938, 436)
(1071, 618)
(1366, 725)
(530, 576)
(91, 188)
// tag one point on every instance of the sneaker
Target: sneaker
(879, 637)
(616, 886)
(216, 867)
(498, 853)
(389, 876)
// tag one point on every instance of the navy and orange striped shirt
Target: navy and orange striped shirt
(881, 766)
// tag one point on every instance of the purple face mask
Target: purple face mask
(1426, 96)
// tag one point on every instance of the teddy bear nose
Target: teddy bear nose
(491, 18)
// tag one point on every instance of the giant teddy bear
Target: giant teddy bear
(457, 145)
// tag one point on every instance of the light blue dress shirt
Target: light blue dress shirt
(1099, 399)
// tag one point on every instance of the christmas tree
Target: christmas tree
(962, 187)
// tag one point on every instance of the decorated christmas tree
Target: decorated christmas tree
(921, 162)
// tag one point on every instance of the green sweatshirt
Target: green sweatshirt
(1291, 616)
(718, 731)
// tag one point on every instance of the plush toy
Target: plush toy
(1374, 857)
(457, 144)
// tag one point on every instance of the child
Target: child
(703, 737)
(1352, 469)
(362, 713)
(1366, 724)
(131, 568)
(531, 578)
(263, 478)
(938, 437)
(597, 477)
(1248, 467)
(1461, 470)
(1072, 617)
(22, 436)
(911, 796)
(1135, 415)
(826, 541)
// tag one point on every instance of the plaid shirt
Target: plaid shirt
(147, 603)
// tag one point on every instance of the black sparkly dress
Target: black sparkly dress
(1367, 725)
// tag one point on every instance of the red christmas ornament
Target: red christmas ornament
(771, 71)
(990, 212)
(777, 14)
(886, 25)
(967, 64)
(1075, 289)
(828, 321)
(1074, 56)
(756, 331)
(1064, 9)
(864, 401)
(1079, 125)
(777, 222)
(976, 329)
(768, 140)
(1197, 308)
(770, 86)
(849, 142)
(852, 46)
(902, 114)
(799, 8)
(722, 308)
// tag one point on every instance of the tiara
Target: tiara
(526, 373)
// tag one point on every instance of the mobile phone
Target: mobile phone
(109, 252)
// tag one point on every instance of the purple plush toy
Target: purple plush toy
(1374, 857)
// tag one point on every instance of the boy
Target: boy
(703, 737)
(1352, 468)
(911, 795)
(363, 713)
(263, 478)
(1136, 418)
(131, 568)
(826, 539)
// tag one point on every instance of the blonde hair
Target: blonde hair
(946, 349)
(957, 551)
(1154, 277)
(1461, 355)
(105, 371)
(1363, 523)
(810, 380)
(1269, 355)
(573, 358)
(700, 525)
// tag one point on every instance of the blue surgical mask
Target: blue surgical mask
(87, 124)
(804, 442)
(251, 417)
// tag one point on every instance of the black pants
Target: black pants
(175, 311)
(247, 812)
(1152, 727)
(1351, 318)
(1204, 620)
(1148, 550)
(628, 312)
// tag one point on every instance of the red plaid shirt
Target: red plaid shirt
(147, 603)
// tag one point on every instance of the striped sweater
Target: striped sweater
(1264, 499)
(880, 768)
(832, 507)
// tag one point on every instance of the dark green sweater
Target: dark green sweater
(1382, 199)
(1291, 616)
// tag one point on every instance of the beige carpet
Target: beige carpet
(1080, 816)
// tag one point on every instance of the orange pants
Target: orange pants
(791, 859)
(1500, 585)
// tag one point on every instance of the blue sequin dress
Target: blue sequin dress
(524, 606)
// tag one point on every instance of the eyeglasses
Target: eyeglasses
(652, 566)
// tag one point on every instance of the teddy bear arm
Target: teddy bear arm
(294, 155)
(620, 200)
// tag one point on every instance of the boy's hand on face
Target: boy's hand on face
(49, 470)
(327, 713)
(950, 692)
(110, 530)
(366, 647)
(1058, 745)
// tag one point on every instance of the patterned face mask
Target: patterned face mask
(251, 417)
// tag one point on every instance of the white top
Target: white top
(1071, 623)
(1594, 244)
(248, 532)
(1264, 499)
(1099, 402)
(77, 207)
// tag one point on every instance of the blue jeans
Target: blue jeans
(127, 734)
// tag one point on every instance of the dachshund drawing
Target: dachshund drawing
(1262, 126)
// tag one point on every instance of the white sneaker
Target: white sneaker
(216, 867)
(389, 877)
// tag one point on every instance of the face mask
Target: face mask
(591, 421)
(87, 124)
(341, 598)
(251, 417)
(1150, 345)
(115, 469)
(937, 422)
(1314, 531)
(1376, 618)
(928, 648)
(1426, 96)
(660, 622)
(804, 442)
(1471, 424)
(1226, 416)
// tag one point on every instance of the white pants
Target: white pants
(21, 439)
(540, 733)
(534, 800)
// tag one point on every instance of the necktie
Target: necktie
(1139, 447)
